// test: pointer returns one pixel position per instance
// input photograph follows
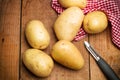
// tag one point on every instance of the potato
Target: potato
(95, 22)
(38, 62)
(65, 53)
(68, 23)
(70, 3)
(37, 35)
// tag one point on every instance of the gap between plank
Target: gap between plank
(20, 39)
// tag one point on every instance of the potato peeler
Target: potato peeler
(103, 65)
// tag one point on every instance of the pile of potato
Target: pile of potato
(63, 51)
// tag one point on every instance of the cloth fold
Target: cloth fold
(110, 7)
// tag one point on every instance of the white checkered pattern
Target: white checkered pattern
(108, 6)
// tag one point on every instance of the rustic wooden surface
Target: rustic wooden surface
(9, 39)
(14, 14)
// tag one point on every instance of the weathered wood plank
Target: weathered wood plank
(41, 9)
(9, 39)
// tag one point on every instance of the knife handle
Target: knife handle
(107, 70)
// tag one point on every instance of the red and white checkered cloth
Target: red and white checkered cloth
(110, 7)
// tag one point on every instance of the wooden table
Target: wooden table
(14, 14)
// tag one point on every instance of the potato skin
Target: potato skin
(95, 22)
(68, 23)
(65, 53)
(38, 62)
(36, 34)
(70, 3)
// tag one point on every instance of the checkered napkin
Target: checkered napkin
(110, 7)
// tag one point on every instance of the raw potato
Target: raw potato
(36, 34)
(69, 3)
(95, 22)
(38, 62)
(65, 53)
(68, 23)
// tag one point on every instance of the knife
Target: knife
(103, 65)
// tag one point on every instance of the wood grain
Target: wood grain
(43, 11)
(9, 39)
(103, 44)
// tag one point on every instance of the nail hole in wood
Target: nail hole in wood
(3, 40)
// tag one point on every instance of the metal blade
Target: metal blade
(92, 51)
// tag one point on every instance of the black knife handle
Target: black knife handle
(107, 70)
